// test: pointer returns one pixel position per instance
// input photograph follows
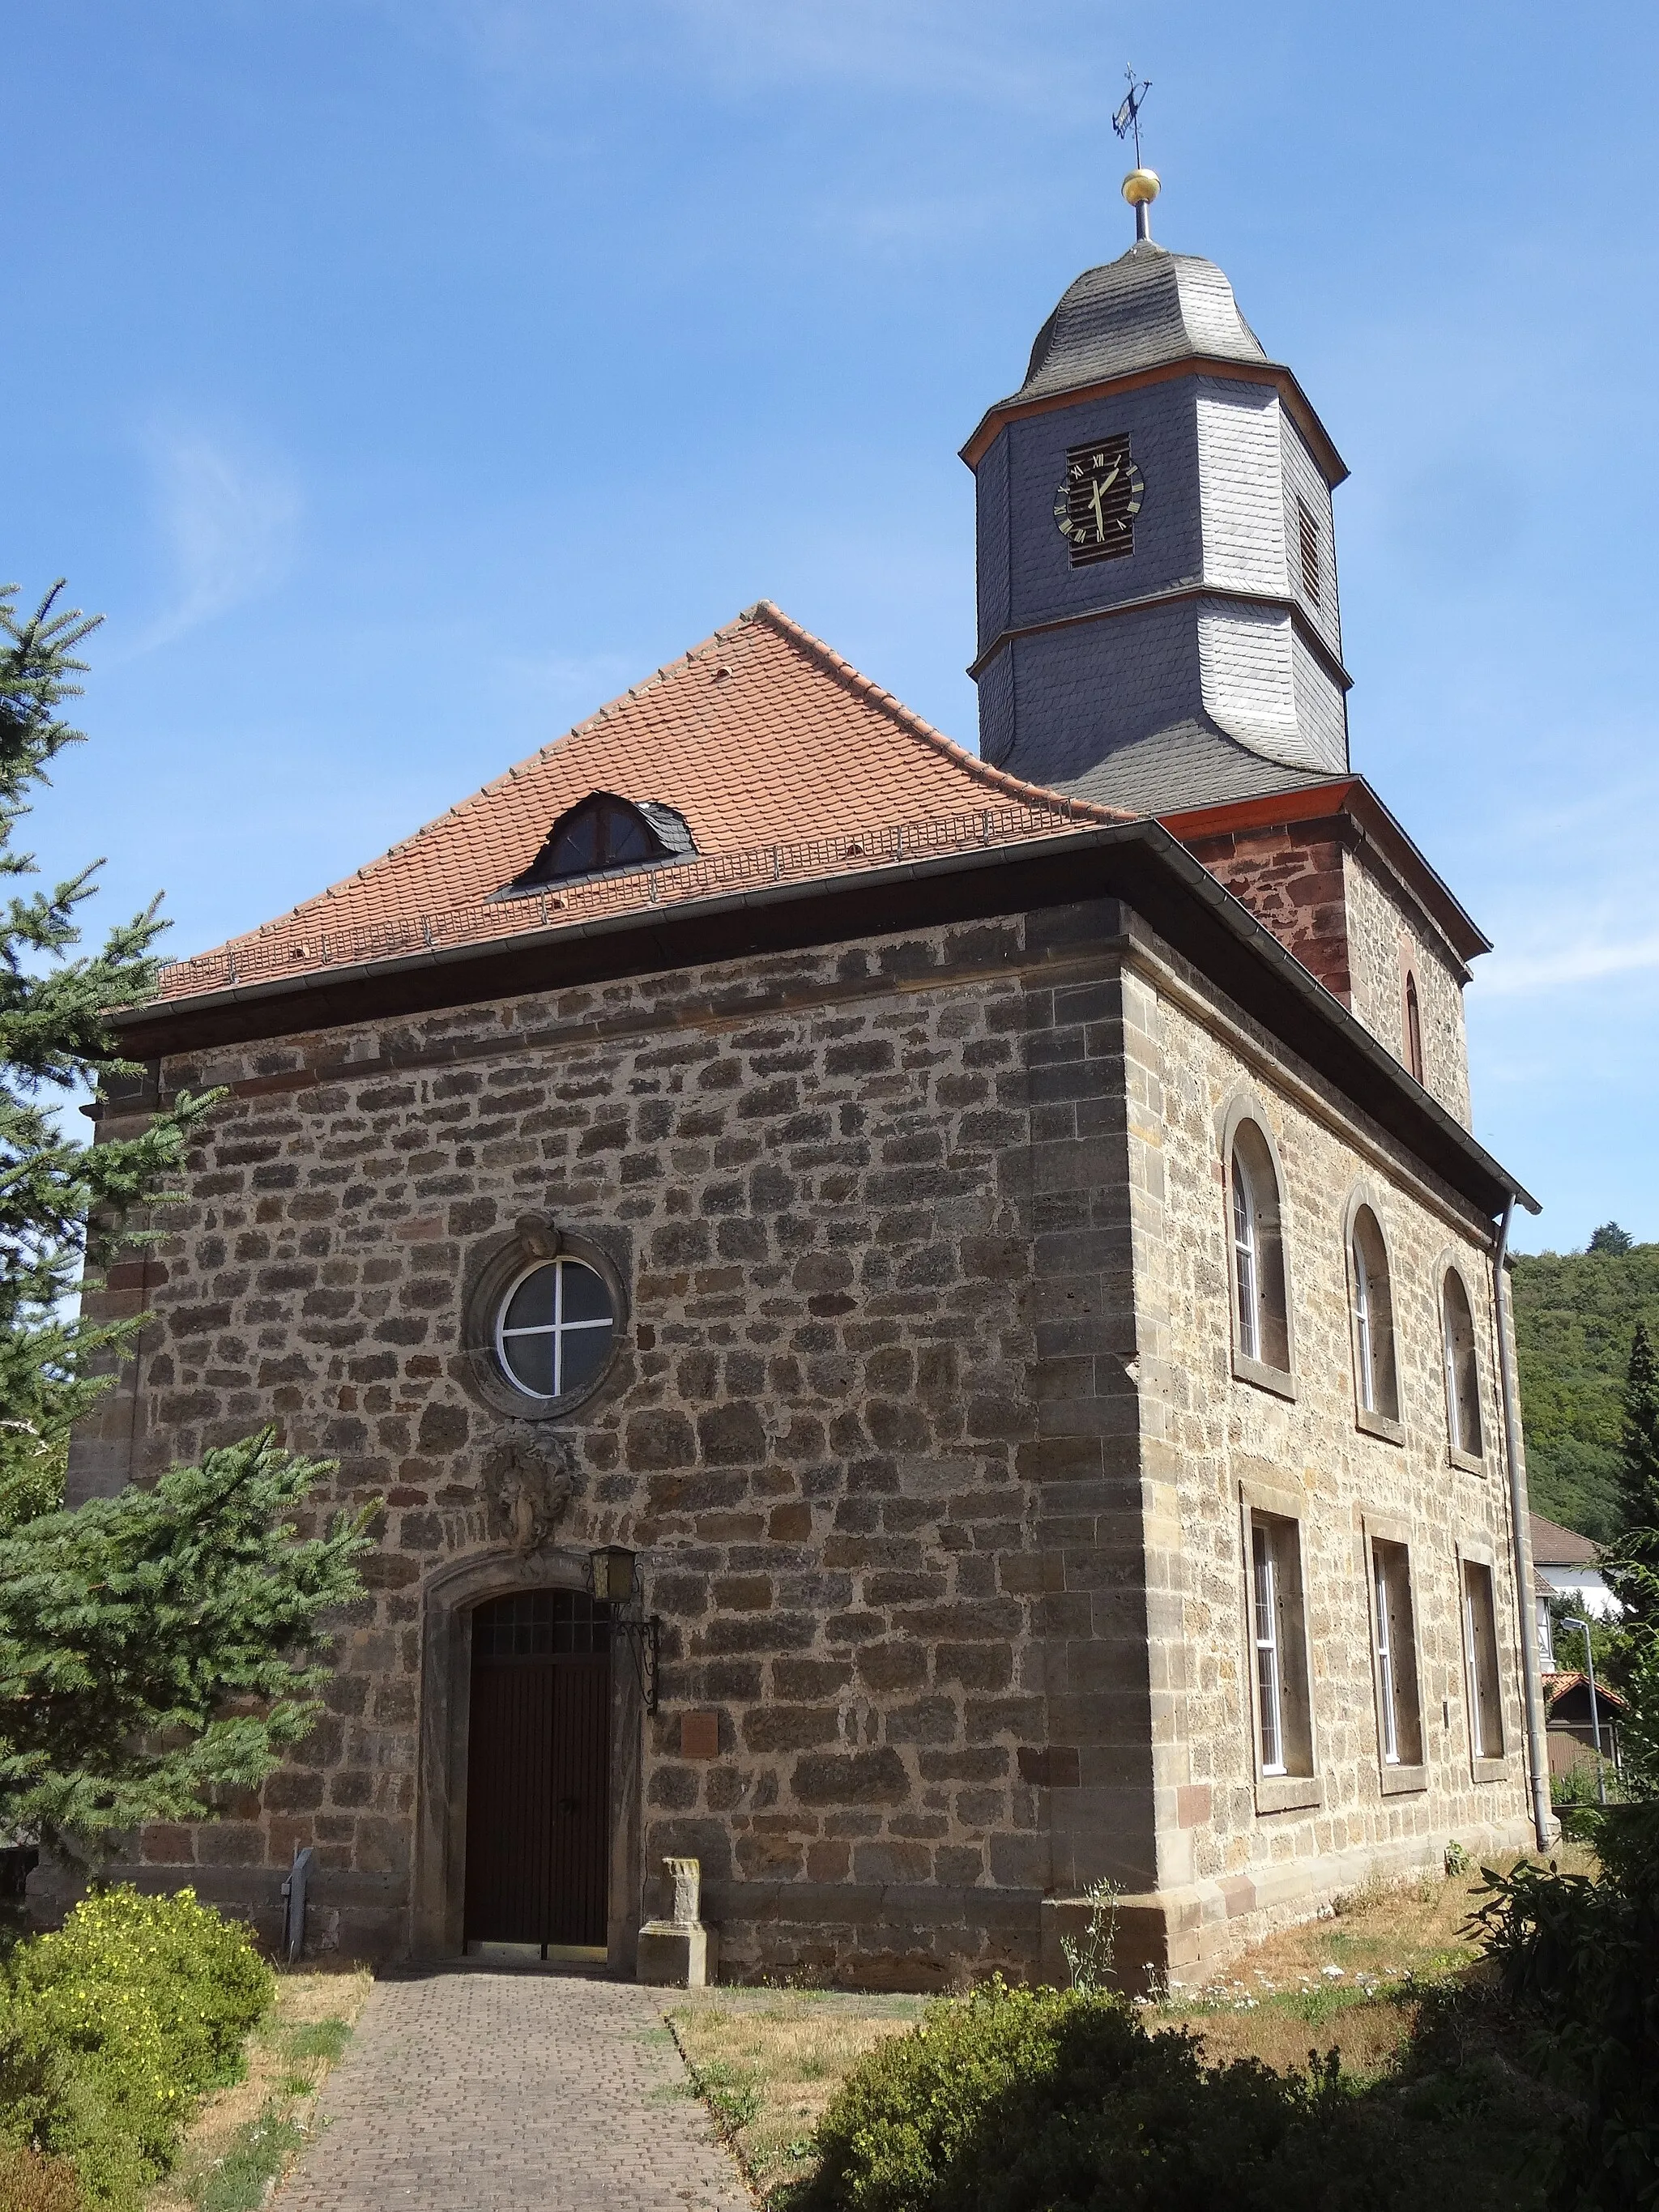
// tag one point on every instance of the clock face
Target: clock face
(1096, 504)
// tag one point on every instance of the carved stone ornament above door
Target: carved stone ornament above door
(529, 1479)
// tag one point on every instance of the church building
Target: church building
(928, 1325)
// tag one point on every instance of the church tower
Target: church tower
(1158, 624)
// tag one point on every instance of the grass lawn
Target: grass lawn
(767, 2062)
(245, 2135)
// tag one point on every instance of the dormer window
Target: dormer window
(604, 835)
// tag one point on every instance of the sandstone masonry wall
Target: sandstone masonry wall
(868, 1204)
(1214, 1438)
(1387, 933)
(1348, 922)
(924, 1423)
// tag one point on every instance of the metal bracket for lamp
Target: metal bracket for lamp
(611, 1579)
(644, 1645)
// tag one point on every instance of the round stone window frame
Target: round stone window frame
(534, 1241)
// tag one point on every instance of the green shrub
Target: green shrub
(1050, 2101)
(112, 2028)
(1581, 1959)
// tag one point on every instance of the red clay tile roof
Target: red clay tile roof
(1553, 1545)
(1557, 1686)
(782, 758)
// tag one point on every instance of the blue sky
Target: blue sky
(403, 378)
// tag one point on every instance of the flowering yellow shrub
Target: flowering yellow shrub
(111, 2029)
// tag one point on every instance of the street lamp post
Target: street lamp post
(1571, 1620)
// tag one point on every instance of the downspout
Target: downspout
(1543, 1820)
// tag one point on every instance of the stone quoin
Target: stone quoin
(927, 1326)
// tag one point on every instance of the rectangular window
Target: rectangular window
(1284, 1723)
(1481, 1662)
(1307, 530)
(1399, 1711)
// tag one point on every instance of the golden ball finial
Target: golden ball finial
(1141, 187)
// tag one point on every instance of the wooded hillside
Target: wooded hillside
(1575, 1313)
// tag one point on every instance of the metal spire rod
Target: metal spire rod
(1140, 185)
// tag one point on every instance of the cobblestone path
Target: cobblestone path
(479, 2092)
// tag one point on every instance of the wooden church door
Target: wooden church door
(538, 1772)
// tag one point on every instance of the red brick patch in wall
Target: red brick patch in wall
(700, 1736)
(1291, 878)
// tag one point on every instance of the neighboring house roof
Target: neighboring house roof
(1556, 1687)
(781, 757)
(1555, 1546)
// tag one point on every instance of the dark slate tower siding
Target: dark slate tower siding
(1199, 668)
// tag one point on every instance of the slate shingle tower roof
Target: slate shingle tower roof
(1145, 308)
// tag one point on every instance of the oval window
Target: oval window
(554, 1331)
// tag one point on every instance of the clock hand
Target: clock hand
(1100, 485)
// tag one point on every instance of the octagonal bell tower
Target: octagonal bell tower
(1159, 625)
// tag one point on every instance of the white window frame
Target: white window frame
(1366, 1352)
(1269, 1661)
(1470, 1451)
(1387, 1690)
(1472, 1668)
(1493, 1756)
(1247, 1260)
(1449, 1363)
(558, 1329)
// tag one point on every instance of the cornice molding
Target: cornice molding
(1280, 603)
(1296, 402)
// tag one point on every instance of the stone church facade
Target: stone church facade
(926, 1327)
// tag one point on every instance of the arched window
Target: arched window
(1260, 1310)
(602, 835)
(1462, 1376)
(1376, 1383)
(1414, 1028)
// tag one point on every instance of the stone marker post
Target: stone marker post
(679, 1953)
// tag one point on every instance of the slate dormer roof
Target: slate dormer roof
(778, 756)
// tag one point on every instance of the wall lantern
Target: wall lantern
(612, 1572)
(610, 1577)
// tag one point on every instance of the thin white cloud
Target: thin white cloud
(973, 48)
(228, 517)
(1523, 974)
(573, 685)
(929, 46)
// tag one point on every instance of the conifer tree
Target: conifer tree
(158, 1646)
(1632, 1560)
(64, 1204)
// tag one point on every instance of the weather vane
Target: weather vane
(1126, 121)
(1140, 186)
